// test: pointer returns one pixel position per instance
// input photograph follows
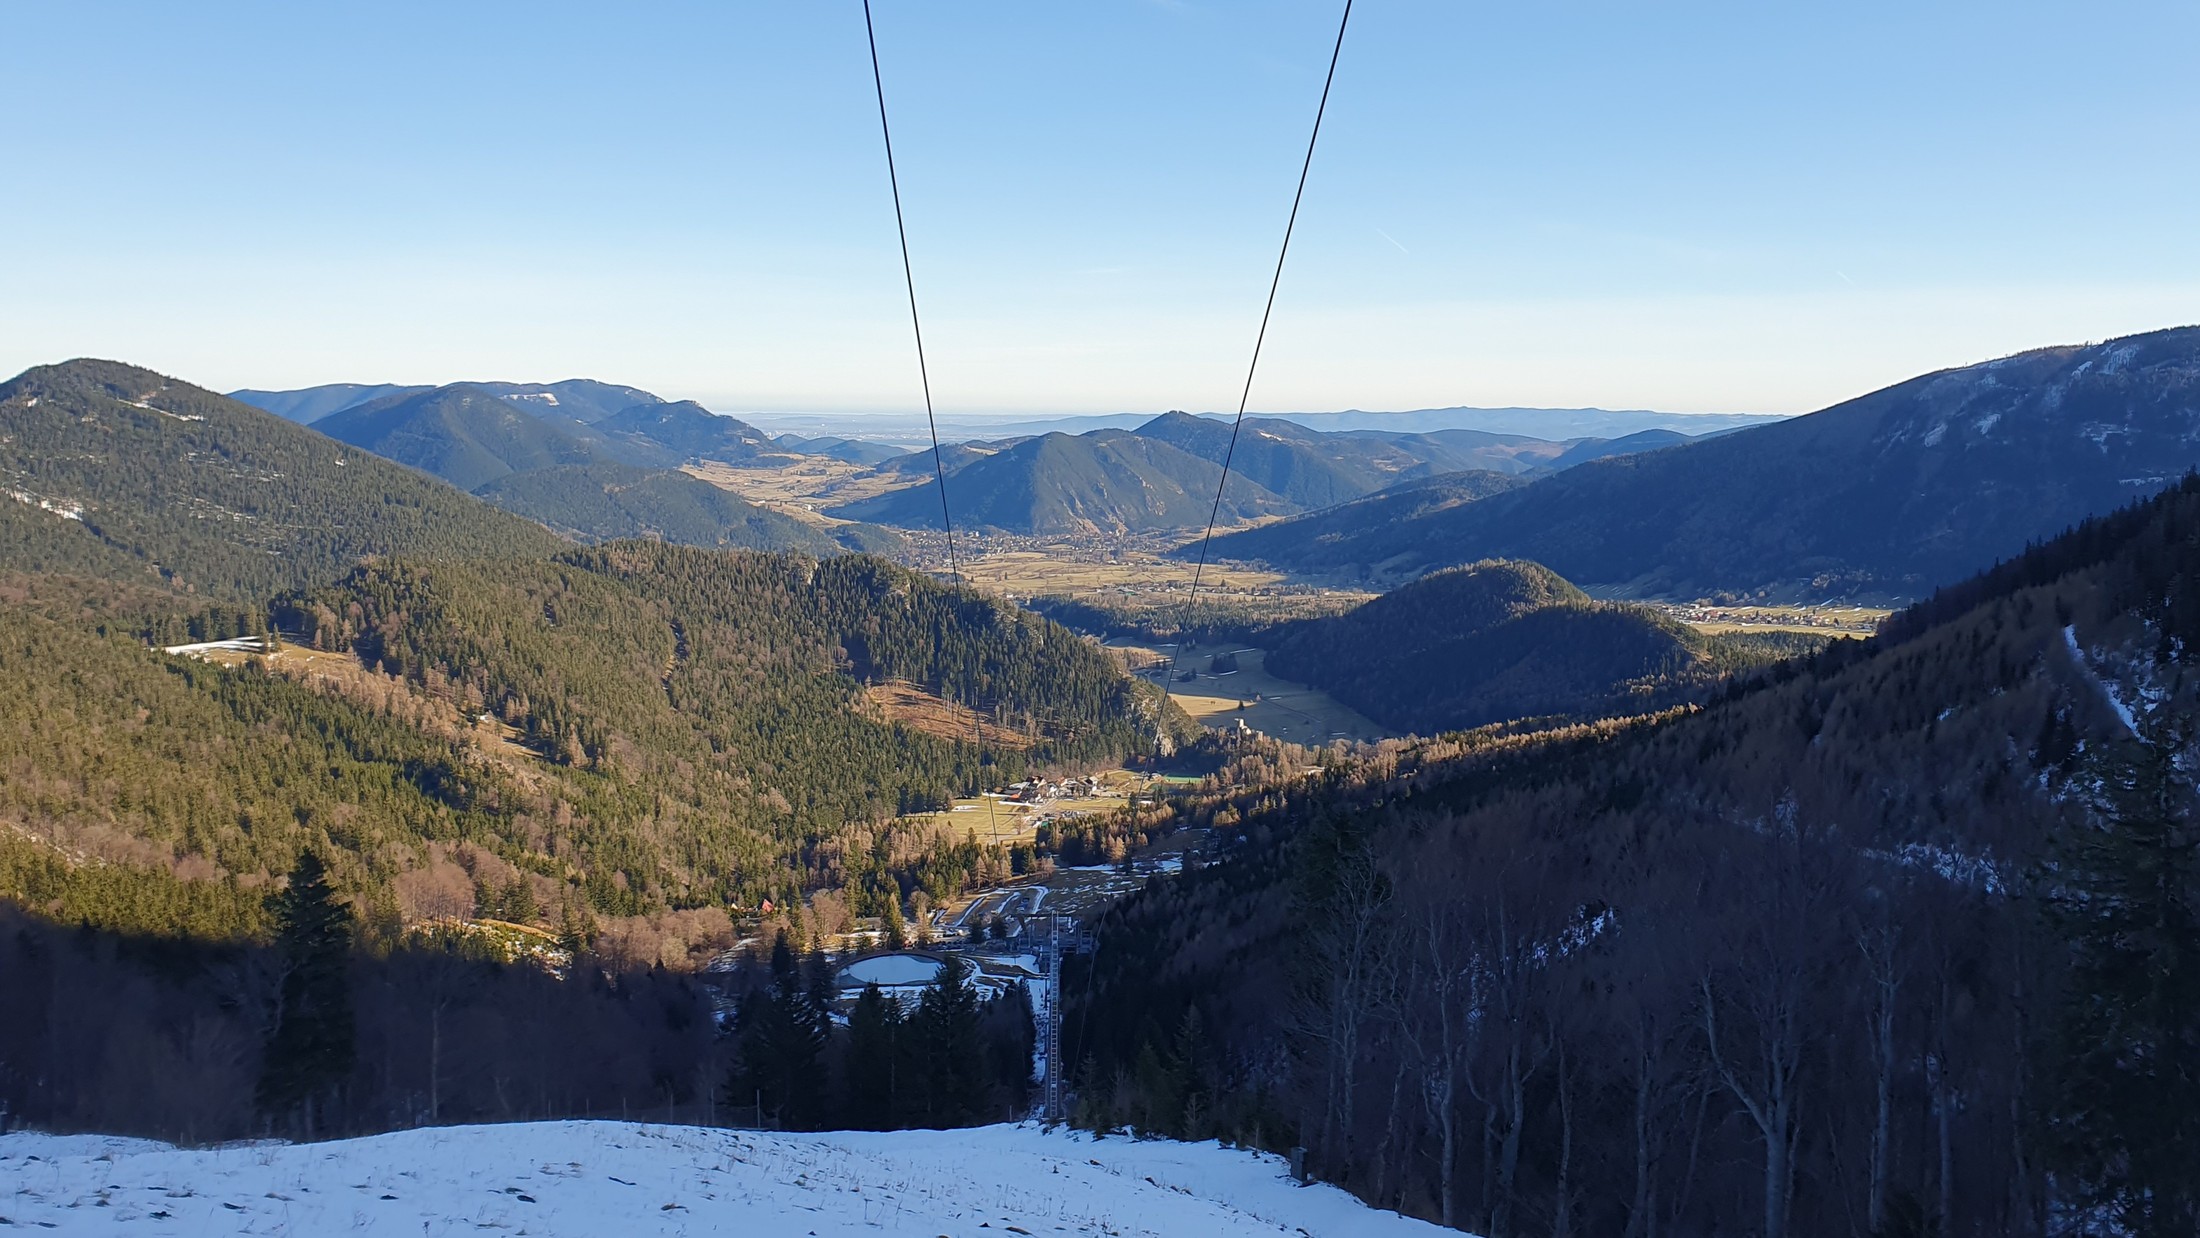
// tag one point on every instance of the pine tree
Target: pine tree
(2126, 894)
(311, 1046)
(874, 1061)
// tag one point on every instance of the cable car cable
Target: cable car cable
(939, 467)
(1191, 596)
(916, 324)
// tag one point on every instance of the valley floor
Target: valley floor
(595, 1178)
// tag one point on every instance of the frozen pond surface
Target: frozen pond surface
(889, 970)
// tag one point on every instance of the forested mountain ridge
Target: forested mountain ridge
(466, 435)
(608, 501)
(576, 399)
(118, 472)
(594, 482)
(1499, 642)
(688, 728)
(1833, 951)
(1303, 467)
(688, 429)
(1108, 481)
(1895, 492)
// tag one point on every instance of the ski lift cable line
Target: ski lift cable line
(924, 378)
(909, 278)
(1245, 397)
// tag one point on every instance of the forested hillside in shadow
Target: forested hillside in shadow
(1835, 954)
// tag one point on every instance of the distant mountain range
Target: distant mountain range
(577, 399)
(1892, 493)
(1162, 475)
(1544, 423)
(1550, 424)
(1108, 481)
(560, 453)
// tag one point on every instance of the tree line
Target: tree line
(328, 1030)
(1896, 940)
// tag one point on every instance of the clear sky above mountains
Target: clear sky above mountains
(1699, 207)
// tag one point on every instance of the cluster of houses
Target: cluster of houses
(1037, 790)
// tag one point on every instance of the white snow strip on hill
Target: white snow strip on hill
(2108, 690)
(602, 1178)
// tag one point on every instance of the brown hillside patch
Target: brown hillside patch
(341, 674)
(919, 710)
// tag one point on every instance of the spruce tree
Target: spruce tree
(2126, 1077)
(897, 930)
(782, 1035)
(874, 1061)
(311, 1043)
(949, 1054)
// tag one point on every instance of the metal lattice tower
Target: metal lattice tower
(1064, 936)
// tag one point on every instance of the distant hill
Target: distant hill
(1344, 540)
(581, 399)
(688, 430)
(1891, 493)
(1554, 424)
(122, 473)
(465, 434)
(1451, 451)
(1301, 466)
(1493, 642)
(309, 404)
(1625, 445)
(607, 501)
(577, 399)
(952, 456)
(854, 451)
(1108, 481)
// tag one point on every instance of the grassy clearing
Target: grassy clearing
(1273, 706)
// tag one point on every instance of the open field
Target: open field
(1272, 706)
(995, 817)
(1070, 566)
(803, 489)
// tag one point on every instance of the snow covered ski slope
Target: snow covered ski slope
(600, 1179)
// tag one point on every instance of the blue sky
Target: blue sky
(1694, 207)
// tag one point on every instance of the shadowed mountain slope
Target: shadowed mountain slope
(1893, 492)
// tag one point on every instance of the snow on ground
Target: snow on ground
(603, 1178)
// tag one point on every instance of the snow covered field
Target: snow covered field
(620, 1178)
